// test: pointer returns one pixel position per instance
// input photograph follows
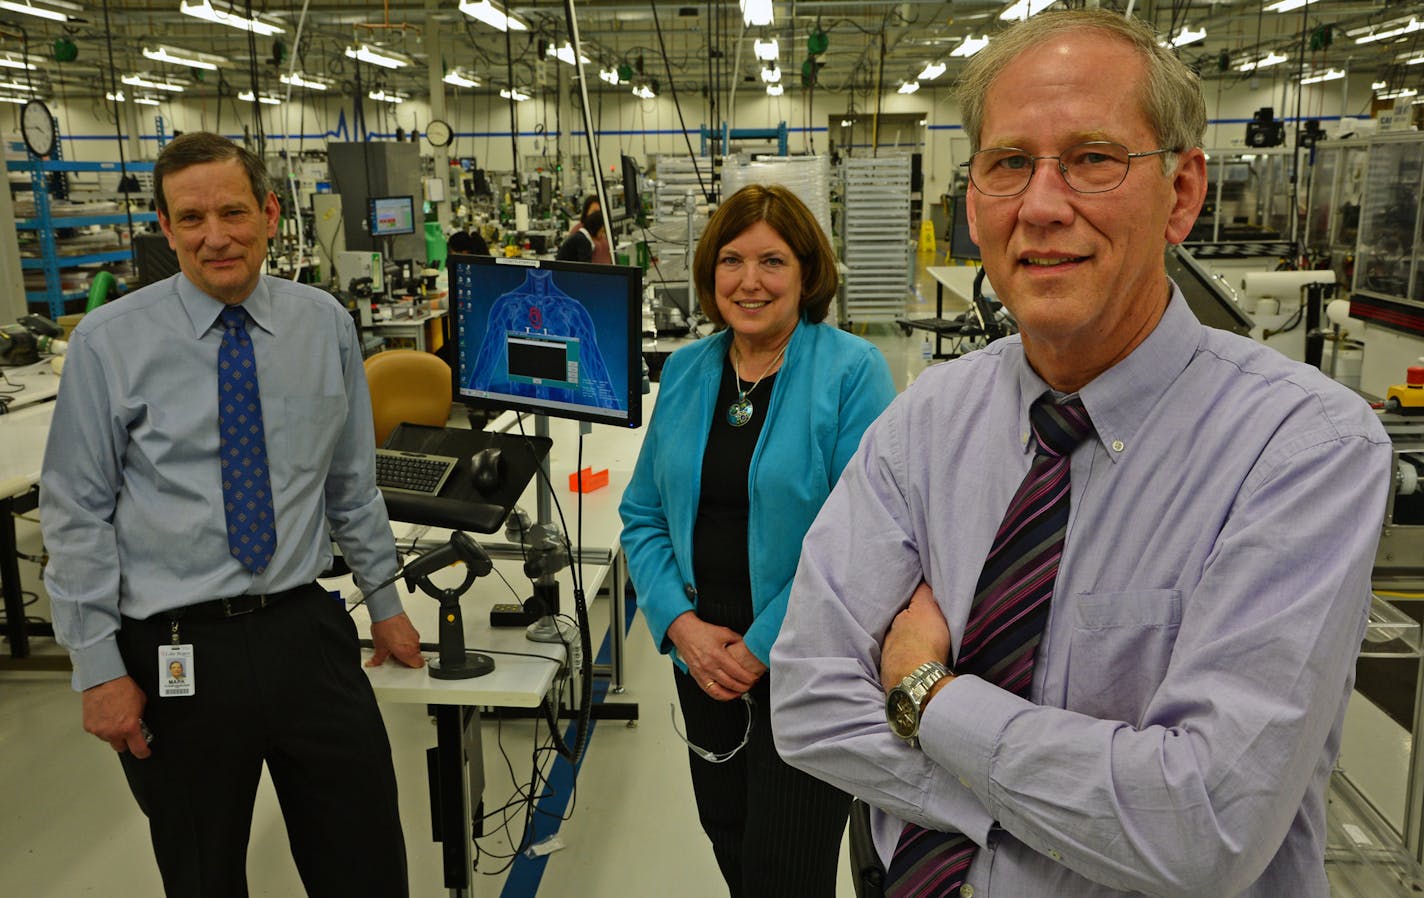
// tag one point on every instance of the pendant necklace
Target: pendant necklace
(740, 411)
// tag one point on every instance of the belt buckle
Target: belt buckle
(229, 612)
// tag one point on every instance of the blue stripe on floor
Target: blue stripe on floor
(526, 872)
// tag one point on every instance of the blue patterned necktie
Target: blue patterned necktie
(1005, 624)
(242, 448)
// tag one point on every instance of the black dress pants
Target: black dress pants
(281, 686)
(776, 831)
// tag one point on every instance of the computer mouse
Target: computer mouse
(485, 468)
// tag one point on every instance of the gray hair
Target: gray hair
(1171, 93)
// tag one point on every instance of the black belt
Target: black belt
(234, 606)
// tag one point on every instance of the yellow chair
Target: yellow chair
(407, 385)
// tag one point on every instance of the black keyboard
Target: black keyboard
(412, 472)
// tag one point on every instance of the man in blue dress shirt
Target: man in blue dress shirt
(136, 517)
(1186, 699)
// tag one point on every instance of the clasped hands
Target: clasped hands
(716, 657)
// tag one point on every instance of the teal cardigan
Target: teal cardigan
(831, 386)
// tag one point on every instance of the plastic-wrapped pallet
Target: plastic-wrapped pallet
(809, 177)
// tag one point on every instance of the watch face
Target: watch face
(900, 711)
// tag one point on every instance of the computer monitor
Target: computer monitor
(552, 338)
(632, 188)
(1210, 299)
(392, 216)
(960, 245)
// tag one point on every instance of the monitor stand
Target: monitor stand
(547, 628)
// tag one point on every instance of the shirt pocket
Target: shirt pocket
(1120, 646)
(310, 427)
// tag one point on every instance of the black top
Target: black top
(719, 535)
(577, 247)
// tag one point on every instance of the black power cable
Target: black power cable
(672, 86)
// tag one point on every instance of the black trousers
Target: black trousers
(281, 686)
(776, 831)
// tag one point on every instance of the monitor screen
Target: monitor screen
(960, 245)
(632, 188)
(392, 216)
(552, 338)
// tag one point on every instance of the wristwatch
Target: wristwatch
(903, 704)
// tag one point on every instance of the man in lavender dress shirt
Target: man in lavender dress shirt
(1187, 695)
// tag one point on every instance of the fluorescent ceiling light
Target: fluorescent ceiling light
(458, 78)
(203, 9)
(643, 92)
(178, 56)
(146, 101)
(766, 50)
(1330, 75)
(387, 59)
(298, 79)
(1398, 93)
(771, 74)
(931, 71)
(516, 94)
(756, 13)
(775, 90)
(19, 101)
(9, 62)
(14, 85)
(1379, 85)
(565, 53)
(908, 87)
(847, 123)
(266, 99)
(388, 96)
(1287, 5)
(115, 96)
(1188, 36)
(62, 14)
(970, 45)
(609, 75)
(1271, 58)
(1408, 28)
(1415, 61)
(1022, 9)
(141, 80)
(491, 15)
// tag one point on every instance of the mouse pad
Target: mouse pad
(461, 505)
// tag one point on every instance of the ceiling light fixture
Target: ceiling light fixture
(1188, 36)
(970, 45)
(144, 81)
(115, 96)
(298, 79)
(516, 94)
(565, 53)
(458, 78)
(1328, 75)
(14, 85)
(9, 62)
(609, 75)
(1022, 9)
(146, 101)
(1287, 5)
(203, 9)
(908, 87)
(775, 90)
(63, 13)
(265, 99)
(1398, 93)
(18, 101)
(179, 56)
(393, 96)
(931, 71)
(1270, 59)
(644, 92)
(771, 74)
(491, 15)
(1409, 27)
(756, 13)
(387, 59)
(766, 50)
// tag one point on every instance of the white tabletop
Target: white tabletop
(37, 383)
(957, 279)
(23, 434)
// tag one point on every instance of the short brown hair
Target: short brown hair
(198, 147)
(789, 217)
(1171, 94)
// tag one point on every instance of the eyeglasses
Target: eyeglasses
(713, 757)
(1096, 166)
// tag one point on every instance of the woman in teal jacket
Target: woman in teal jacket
(752, 428)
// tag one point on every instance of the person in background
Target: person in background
(1081, 617)
(212, 435)
(751, 430)
(582, 243)
(602, 251)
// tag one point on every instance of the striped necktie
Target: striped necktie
(1005, 625)
(242, 448)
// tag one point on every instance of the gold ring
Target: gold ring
(710, 684)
